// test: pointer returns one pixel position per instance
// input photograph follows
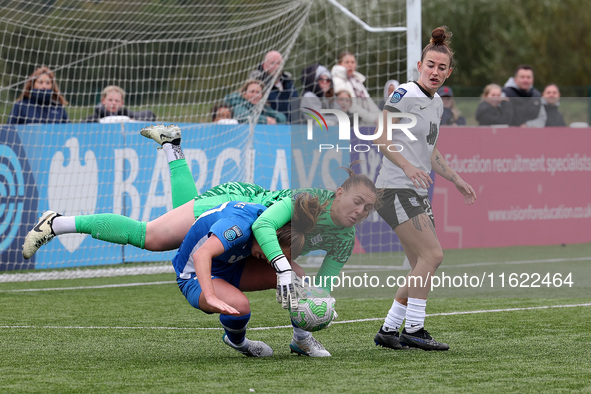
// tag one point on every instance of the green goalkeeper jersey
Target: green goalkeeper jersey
(337, 241)
(236, 191)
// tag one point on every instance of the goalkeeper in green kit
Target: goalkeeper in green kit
(334, 231)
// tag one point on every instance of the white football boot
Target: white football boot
(163, 134)
(308, 347)
(252, 349)
(41, 234)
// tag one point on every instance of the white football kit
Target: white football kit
(412, 98)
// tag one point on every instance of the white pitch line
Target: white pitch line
(167, 268)
(90, 287)
(531, 308)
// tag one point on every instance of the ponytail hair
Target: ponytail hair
(440, 42)
(355, 179)
(306, 210)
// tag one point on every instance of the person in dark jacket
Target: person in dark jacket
(40, 101)
(113, 105)
(550, 99)
(528, 110)
(283, 96)
(452, 116)
(494, 109)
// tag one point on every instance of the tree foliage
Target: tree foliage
(492, 37)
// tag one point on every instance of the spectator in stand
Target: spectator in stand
(550, 99)
(222, 114)
(112, 108)
(528, 110)
(318, 91)
(452, 116)
(40, 101)
(245, 102)
(346, 77)
(389, 88)
(494, 109)
(344, 102)
(283, 96)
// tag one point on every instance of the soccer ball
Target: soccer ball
(315, 309)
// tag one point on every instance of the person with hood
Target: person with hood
(283, 95)
(318, 91)
(245, 101)
(389, 88)
(528, 110)
(112, 108)
(346, 77)
(40, 101)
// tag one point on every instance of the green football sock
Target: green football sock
(182, 183)
(113, 228)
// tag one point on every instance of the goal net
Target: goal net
(175, 60)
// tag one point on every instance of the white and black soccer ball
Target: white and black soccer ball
(316, 309)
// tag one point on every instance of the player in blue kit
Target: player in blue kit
(219, 259)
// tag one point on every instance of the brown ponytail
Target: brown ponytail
(440, 42)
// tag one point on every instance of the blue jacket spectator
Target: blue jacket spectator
(40, 101)
(283, 96)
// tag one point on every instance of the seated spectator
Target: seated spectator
(550, 99)
(222, 114)
(452, 116)
(283, 96)
(346, 77)
(493, 108)
(40, 101)
(318, 90)
(112, 108)
(389, 88)
(245, 101)
(344, 102)
(528, 110)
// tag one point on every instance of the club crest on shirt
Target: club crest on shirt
(397, 95)
(232, 233)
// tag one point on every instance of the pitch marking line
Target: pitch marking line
(531, 308)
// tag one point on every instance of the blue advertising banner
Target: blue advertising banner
(79, 169)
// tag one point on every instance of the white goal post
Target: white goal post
(175, 60)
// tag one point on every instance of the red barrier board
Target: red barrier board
(533, 187)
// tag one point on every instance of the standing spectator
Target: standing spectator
(528, 110)
(112, 108)
(451, 114)
(494, 109)
(40, 101)
(244, 102)
(318, 90)
(550, 99)
(283, 96)
(389, 88)
(346, 77)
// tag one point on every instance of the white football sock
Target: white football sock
(64, 225)
(415, 314)
(173, 152)
(395, 317)
(300, 334)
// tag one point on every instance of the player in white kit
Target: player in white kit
(404, 175)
